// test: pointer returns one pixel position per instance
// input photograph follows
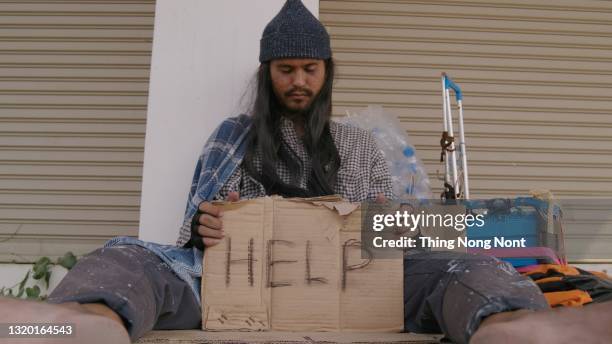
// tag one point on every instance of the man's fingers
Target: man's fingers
(209, 208)
(210, 242)
(380, 198)
(210, 221)
(210, 232)
(233, 196)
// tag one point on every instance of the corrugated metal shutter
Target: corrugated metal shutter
(73, 95)
(537, 81)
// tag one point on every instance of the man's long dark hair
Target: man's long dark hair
(265, 139)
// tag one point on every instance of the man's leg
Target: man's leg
(87, 327)
(588, 324)
(452, 292)
(135, 285)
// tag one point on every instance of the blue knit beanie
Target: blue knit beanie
(294, 32)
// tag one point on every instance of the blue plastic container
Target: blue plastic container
(522, 217)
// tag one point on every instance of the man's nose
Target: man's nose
(299, 80)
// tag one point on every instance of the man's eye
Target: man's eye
(311, 70)
(286, 71)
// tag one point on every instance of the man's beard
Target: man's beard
(297, 112)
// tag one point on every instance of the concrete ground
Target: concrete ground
(196, 336)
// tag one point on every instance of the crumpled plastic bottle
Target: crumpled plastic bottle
(409, 178)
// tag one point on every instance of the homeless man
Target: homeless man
(286, 146)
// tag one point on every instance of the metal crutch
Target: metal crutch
(447, 143)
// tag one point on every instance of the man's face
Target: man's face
(297, 81)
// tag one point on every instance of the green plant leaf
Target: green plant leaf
(22, 284)
(67, 261)
(41, 267)
(47, 277)
(43, 261)
(38, 273)
(32, 293)
(24, 280)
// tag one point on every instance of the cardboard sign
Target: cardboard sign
(296, 265)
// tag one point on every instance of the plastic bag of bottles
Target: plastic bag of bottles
(410, 180)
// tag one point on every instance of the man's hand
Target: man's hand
(208, 225)
(380, 198)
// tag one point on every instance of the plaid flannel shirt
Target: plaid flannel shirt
(362, 175)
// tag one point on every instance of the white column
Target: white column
(204, 54)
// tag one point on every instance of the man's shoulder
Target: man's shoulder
(232, 127)
(344, 132)
(242, 120)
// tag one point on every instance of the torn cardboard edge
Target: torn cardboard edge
(333, 202)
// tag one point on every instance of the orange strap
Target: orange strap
(571, 298)
(549, 279)
(564, 269)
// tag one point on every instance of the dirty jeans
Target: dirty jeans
(136, 284)
(444, 292)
